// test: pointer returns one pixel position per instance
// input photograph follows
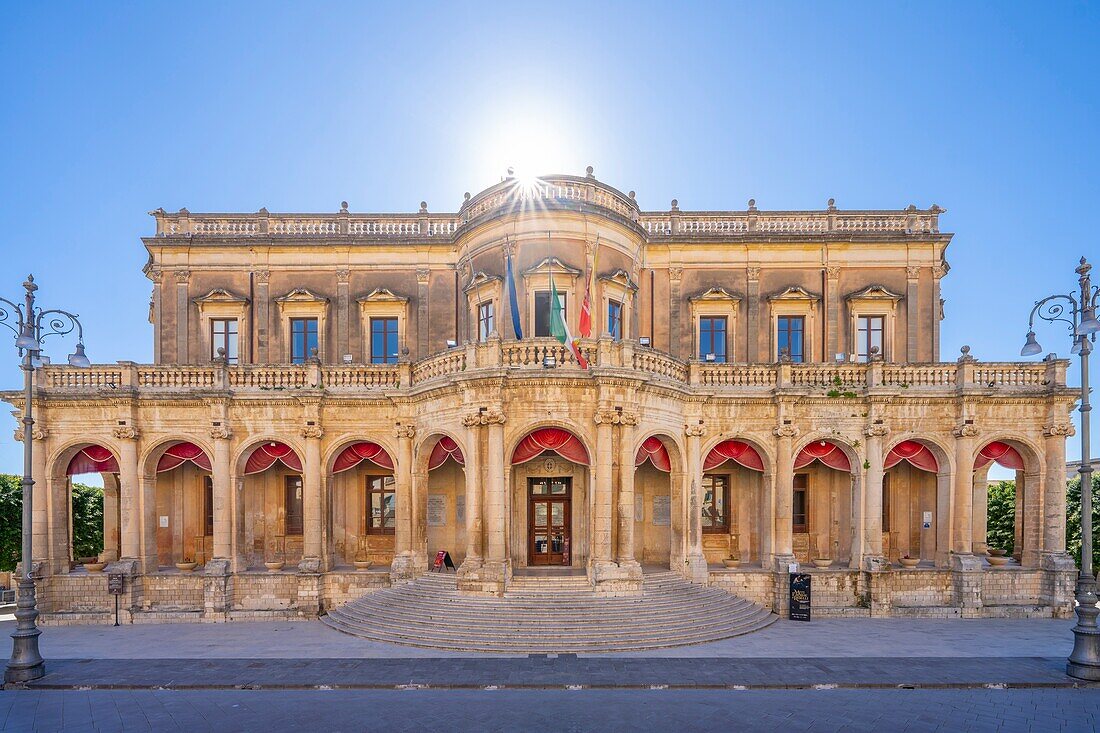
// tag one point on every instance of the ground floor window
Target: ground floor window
(381, 505)
(799, 504)
(716, 502)
(293, 505)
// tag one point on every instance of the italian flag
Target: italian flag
(559, 329)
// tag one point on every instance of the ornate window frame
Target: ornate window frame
(483, 288)
(303, 303)
(220, 303)
(537, 279)
(382, 303)
(619, 287)
(795, 301)
(716, 301)
(873, 300)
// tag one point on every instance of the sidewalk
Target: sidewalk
(857, 653)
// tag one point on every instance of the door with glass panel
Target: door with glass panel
(548, 520)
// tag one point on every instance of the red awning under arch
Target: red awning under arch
(917, 454)
(181, 453)
(445, 448)
(562, 442)
(654, 451)
(364, 450)
(1002, 453)
(266, 454)
(92, 459)
(737, 451)
(828, 453)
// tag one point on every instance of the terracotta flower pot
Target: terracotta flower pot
(95, 567)
(997, 560)
(274, 566)
(909, 562)
(822, 562)
(186, 567)
(361, 564)
(730, 562)
(996, 552)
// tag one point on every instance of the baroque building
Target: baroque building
(759, 388)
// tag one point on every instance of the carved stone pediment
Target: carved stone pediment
(548, 264)
(382, 295)
(715, 295)
(621, 278)
(220, 295)
(479, 280)
(795, 293)
(301, 295)
(874, 292)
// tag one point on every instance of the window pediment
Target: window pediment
(716, 295)
(301, 295)
(619, 278)
(219, 296)
(481, 280)
(794, 294)
(382, 295)
(551, 264)
(874, 293)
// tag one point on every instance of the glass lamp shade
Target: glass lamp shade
(78, 358)
(1088, 324)
(1031, 346)
(26, 341)
(1076, 347)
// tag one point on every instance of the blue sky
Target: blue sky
(988, 109)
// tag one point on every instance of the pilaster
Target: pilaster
(261, 303)
(912, 314)
(183, 312)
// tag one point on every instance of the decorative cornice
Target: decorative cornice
(315, 432)
(125, 432)
(1066, 429)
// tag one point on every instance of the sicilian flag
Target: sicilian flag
(559, 329)
(586, 306)
(513, 301)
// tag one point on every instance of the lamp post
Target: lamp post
(32, 326)
(1079, 313)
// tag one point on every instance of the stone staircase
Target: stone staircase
(549, 615)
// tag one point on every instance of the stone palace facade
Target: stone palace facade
(335, 398)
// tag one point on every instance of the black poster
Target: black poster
(800, 597)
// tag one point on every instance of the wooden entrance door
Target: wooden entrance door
(548, 521)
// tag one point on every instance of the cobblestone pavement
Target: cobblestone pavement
(558, 710)
(820, 638)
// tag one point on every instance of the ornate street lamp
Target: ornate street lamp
(32, 326)
(1080, 316)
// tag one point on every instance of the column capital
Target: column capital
(343, 275)
(220, 432)
(182, 276)
(753, 273)
(876, 431)
(966, 431)
(36, 434)
(786, 431)
(404, 431)
(615, 416)
(484, 417)
(155, 274)
(125, 432)
(1056, 429)
(312, 432)
(262, 276)
(675, 272)
(912, 272)
(422, 276)
(695, 431)
(939, 271)
(832, 271)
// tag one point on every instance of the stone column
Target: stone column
(260, 304)
(912, 314)
(111, 507)
(784, 494)
(695, 562)
(220, 482)
(1054, 493)
(473, 494)
(625, 554)
(311, 500)
(601, 505)
(962, 516)
(401, 568)
(752, 320)
(130, 495)
(980, 509)
(495, 500)
(872, 515)
(183, 311)
(40, 518)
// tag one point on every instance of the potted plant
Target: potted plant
(187, 565)
(908, 562)
(822, 562)
(95, 565)
(732, 561)
(996, 552)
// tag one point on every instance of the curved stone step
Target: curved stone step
(546, 615)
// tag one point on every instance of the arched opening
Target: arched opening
(184, 505)
(87, 530)
(915, 483)
(441, 504)
(658, 485)
(272, 502)
(1001, 526)
(364, 505)
(822, 502)
(550, 492)
(733, 485)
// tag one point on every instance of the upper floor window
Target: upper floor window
(712, 337)
(223, 335)
(789, 337)
(293, 504)
(303, 339)
(799, 505)
(870, 336)
(486, 320)
(381, 514)
(383, 340)
(542, 311)
(716, 501)
(615, 319)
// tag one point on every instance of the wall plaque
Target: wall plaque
(460, 509)
(662, 515)
(639, 508)
(437, 510)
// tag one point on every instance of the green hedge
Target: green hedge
(87, 520)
